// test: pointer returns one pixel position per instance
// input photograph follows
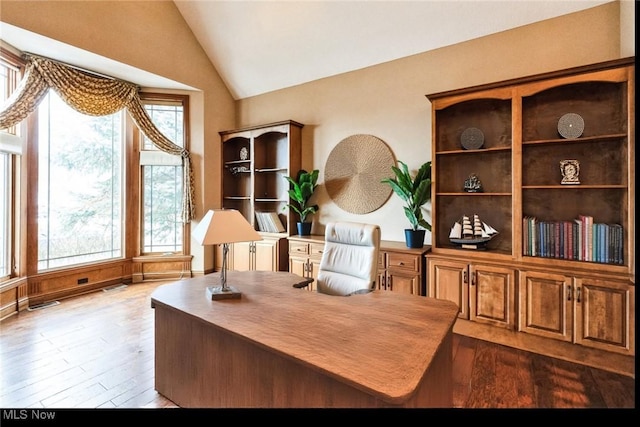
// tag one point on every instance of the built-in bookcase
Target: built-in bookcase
(255, 161)
(524, 133)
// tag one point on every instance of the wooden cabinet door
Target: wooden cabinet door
(407, 283)
(604, 313)
(449, 280)
(313, 266)
(302, 266)
(492, 295)
(241, 256)
(265, 255)
(298, 266)
(315, 256)
(546, 305)
(381, 281)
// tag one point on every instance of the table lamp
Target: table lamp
(221, 227)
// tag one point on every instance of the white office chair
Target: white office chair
(349, 262)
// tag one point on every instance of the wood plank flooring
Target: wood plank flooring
(96, 351)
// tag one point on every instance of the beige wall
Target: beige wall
(128, 32)
(388, 101)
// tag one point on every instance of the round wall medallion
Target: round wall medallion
(472, 139)
(571, 125)
(353, 173)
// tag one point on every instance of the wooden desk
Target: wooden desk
(280, 347)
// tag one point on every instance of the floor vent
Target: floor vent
(114, 288)
(43, 305)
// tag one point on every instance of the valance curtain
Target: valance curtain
(96, 96)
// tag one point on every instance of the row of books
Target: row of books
(269, 222)
(581, 239)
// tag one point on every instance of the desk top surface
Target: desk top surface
(380, 342)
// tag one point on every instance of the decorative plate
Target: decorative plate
(244, 153)
(571, 125)
(472, 139)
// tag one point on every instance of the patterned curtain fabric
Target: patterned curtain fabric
(95, 96)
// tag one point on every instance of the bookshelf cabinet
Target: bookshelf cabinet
(545, 278)
(255, 161)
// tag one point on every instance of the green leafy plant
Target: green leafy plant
(302, 189)
(415, 192)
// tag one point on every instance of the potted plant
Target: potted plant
(415, 192)
(301, 190)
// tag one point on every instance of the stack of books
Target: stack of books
(269, 222)
(581, 239)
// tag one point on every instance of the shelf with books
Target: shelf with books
(580, 239)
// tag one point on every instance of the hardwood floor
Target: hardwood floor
(97, 351)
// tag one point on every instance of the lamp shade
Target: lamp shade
(224, 226)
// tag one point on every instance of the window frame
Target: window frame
(159, 98)
(11, 143)
(121, 202)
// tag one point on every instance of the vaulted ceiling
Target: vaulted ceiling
(262, 46)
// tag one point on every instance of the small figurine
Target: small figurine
(570, 170)
(244, 153)
(472, 184)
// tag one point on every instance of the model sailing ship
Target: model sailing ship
(471, 235)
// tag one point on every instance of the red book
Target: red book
(568, 242)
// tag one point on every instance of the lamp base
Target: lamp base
(217, 293)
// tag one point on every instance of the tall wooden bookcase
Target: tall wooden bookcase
(255, 161)
(581, 309)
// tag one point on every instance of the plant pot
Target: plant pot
(414, 238)
(304, 228)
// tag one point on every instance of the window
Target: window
(77, 163)
(10, 151)
(80, 168)
(162, 230)
(5, 215)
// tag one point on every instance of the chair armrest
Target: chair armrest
(304, 283)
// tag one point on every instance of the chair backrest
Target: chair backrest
(350, 259)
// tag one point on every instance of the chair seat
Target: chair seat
(333, 283)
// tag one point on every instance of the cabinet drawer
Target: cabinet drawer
(405, 262)
(298, 248)
(316, 250)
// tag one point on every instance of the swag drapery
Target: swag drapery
(95, 96)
